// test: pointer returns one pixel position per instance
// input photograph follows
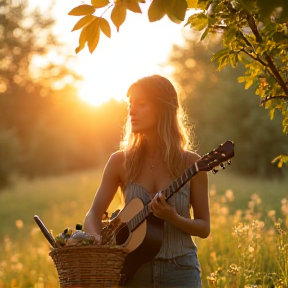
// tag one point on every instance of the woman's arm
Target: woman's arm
(109, 184)
(200, 225)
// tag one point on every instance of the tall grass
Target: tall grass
(248, 245)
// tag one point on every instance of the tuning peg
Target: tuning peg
(229, 162)
(222, 165)
(214, 171)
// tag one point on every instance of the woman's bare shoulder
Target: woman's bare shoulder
(191, 157)
(114, 168)
(117, 157)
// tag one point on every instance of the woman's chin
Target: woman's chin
(136, 131)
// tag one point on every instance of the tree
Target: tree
(26, 74)
(26, 88)
(219, 110)
(254, 32)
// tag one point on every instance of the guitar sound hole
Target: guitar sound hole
(122, 235)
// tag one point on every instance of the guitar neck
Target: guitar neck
(173, 188)
(177, 184)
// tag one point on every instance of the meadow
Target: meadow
(247, 247)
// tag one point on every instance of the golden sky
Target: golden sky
(134, 52)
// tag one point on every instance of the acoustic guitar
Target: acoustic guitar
(140, 232)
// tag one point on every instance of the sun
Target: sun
(102, 88)
(137, 50)
(124, 58)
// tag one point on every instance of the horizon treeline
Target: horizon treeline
(45, 129)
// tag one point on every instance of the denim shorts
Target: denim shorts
(182, 271)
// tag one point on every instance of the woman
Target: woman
(153, 153)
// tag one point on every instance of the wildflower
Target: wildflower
(238, 213)
(278, 228)
(271, 214)
(248, 273)
(211, 279)
(251, 249)
(223, 199)
(212, 190)
(19, 224)
(14, 258)
(7, 244)
(256, 199)
(251, 204)
(34, 231)
(40, 283)
(17, 267)
(229, 195)
(213, 255)
(224, 211)
(234, 269)
(284, 207)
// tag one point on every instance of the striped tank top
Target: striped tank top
(175, 241)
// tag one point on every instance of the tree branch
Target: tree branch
(276, 74)
(269, 60)
(262, 102)
(255, 58)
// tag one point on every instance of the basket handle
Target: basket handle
(45, 231)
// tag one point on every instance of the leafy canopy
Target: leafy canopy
(254, 32)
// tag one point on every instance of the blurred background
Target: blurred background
(61, 116)
(61, 112)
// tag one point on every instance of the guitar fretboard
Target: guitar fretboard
(173, 188)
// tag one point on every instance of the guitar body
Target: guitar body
(148, 248)
(143, 243)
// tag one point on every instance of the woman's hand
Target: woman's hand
(162, 209)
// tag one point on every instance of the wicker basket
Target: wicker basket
(88, 266)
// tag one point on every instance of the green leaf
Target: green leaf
(192, 3)
(83, 22)
(220, 53)
(223, 61)
(105, 27)
(233, 59)
(133, 6)
(248, 83)
(198, 21)
(82, 40)
(272, 112)
(205, 33)
(82, 10)
(177, 10)
(202, 4)
(241, 79)
(99, 3)
(244, 58)
(118, 15)
(157, 10)
(229, 35)
(283, 159)
(93, 34)
(285, 124)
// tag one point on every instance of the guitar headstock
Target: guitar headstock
(217, 158)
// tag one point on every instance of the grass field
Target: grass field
(248, 245)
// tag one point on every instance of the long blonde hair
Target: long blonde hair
(175, 132)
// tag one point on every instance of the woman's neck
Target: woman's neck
(153, 148)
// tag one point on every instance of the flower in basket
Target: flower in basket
(79, 237)
(61, 239)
